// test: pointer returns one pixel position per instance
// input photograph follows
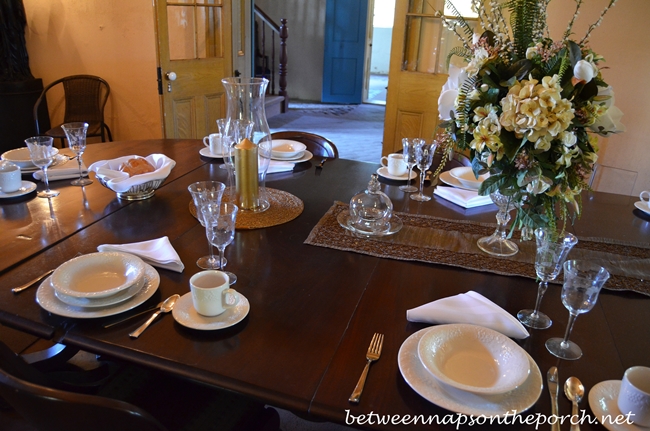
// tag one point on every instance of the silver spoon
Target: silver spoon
(574, 391)
(166, 307)
(29, 283)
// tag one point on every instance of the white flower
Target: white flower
(585, 70)
(610, 120)
(447, 99)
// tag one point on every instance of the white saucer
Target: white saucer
(47, 299)
(643, 206)
(383, 171)
(25, 187)
(185, 314)
(602, 400)
(456, 400)
(205, 152)
(306, 156)
(446, 178)
(344, 220)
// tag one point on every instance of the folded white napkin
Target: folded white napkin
(276, 166)
(156, 252)
(120, 182)
(464, 198)
(470, 307)
(62, 172)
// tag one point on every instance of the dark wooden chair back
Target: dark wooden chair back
(85, 97)
(317, 145)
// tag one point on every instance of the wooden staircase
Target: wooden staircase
(268, 65)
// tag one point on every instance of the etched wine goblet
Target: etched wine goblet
(409, 146)
(76, 134)
(220, 230)
(206, 193)
(42, 155)
(552, 250)
(424, 158)
(582, 283)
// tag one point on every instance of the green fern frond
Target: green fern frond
(525, 17)
(468, 30)
(461, 52)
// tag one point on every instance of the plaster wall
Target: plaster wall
(112, 39)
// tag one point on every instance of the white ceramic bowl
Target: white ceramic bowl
(286, 149)
(473, 358)
(21, 157)
(98, 275)
(466, 177)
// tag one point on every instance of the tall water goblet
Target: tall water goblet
(206, 193)
(76, 134)
(424, 158)
(582, 283)
(409, 146)
(42, 155)
(220, 230)
(552, 250)
(498, 243)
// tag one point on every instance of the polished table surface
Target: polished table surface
(313, 309)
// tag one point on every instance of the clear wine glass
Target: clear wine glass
(42, 155)
(222, 125)
(498, 243)
(206, 193)
(76, 134)
(424, 158)
(409, 146)
(220, 230)
(582, 283)
(552, 250)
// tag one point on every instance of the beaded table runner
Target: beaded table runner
(453, 242)
(284, 207)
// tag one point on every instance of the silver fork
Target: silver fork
(374, 351)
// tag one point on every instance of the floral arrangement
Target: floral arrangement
(527, 108)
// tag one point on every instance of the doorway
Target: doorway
(380, 30)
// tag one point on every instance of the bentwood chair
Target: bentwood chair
(85, 97)
(317, 145)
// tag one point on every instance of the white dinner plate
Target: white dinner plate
(25, 187)
(383, 171)
(47, 299)
(643, 206)
(456, 400)
(602, 400)
(446, 178)
(306, 156)
(185, 314)
(205, 152)
(102, 302)
(59, 160)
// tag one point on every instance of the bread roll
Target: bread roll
(136, 166)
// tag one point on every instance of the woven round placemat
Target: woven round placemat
(284, 207)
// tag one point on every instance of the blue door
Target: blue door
(345, 44)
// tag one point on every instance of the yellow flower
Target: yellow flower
(483, 138)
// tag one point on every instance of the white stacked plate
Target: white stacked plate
(286, 150)
(22, 158)
(470, 369)
(463, 178)
(98, 285)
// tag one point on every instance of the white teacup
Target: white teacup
(645, 198)
(213, 142)
(10, 179)
(634, 396)
(395, 164)
(211, 294)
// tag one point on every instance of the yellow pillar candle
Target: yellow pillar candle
(247, 185)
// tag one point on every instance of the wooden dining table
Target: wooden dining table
(313, 309)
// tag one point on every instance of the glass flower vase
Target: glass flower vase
(246, 102)
(498, 243)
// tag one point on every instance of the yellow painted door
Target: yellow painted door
(417, 72)
(194, 54)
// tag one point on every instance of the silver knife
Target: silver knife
(553, 389)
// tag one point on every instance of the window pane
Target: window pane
(209, 28)
(180, 22)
